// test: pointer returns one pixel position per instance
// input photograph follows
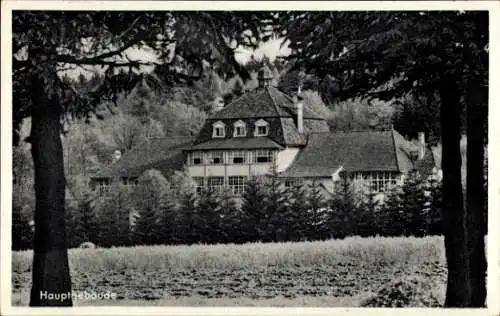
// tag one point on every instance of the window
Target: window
(261, 128)
(262, 156)
(290, 183)
(239, 129)
(216, 157)
(219, 130)
(215, 183)
(199, 183)
(378, 182)
(237, 184)
(238, 157)
(196, 158)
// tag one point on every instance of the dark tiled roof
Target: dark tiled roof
(164, 154)
(291, 135)
(261, 103)
(236, 143)
(325, 153)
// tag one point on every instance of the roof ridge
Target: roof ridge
(275, 106)
(398, 163)
(213, 115)
(353, 131)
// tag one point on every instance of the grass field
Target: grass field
(351, 272)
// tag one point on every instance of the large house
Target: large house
(265, 129)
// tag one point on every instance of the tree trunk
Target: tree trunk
(458, 290)
(476, 117)
(51, 277)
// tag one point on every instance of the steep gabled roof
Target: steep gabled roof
(353, 151)
(262, 102)
(164, 154)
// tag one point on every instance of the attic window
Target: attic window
(239, 129)
(261, 128)
(219, 130)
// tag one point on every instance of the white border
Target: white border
(6, 152)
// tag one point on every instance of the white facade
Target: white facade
(208, 167)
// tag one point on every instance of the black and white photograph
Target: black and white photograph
(234, 155)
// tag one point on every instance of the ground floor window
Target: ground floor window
(290, 183)
(199, 183)
(377, 182)
(237, 184)
(215, 183)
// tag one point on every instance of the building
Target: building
(266, 128)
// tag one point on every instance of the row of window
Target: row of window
(235, 183)
(231, 157)
(375, 181)
(240, 129)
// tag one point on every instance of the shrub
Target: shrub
(410, 291)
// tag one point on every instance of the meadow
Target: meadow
(376, 271)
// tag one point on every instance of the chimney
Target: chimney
(421, 145)
(300, 112)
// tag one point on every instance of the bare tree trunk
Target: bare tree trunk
(458, 290)
(51, 276)
(476, 117)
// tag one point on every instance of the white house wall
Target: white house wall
(228, 170)
(285, 158)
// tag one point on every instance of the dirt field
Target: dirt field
(350, 272)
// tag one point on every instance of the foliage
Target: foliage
(188, 231)
(360, 114)
(254, 213)
(318, 212)
(22, 232)
(208, 221)
(114, 213)
(414, 114)
(343, 204)
(298, 221)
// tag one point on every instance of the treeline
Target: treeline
(158, 211)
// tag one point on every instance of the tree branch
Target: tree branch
(99, 59)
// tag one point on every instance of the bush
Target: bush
(414, 291)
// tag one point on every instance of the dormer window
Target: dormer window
(261, 128)
(240, 129)
(219, 130)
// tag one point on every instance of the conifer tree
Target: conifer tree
(22, 235)
(254, 215)
(298, 218)
(367, 213)
(343, 207)
(231, 217)
(319, 213)
(208, 219)
(88, 220)
(188, 232)
(435, 208)
(275, 207)
(114, 217)
(168, 222)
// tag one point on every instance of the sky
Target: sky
(271, 49)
